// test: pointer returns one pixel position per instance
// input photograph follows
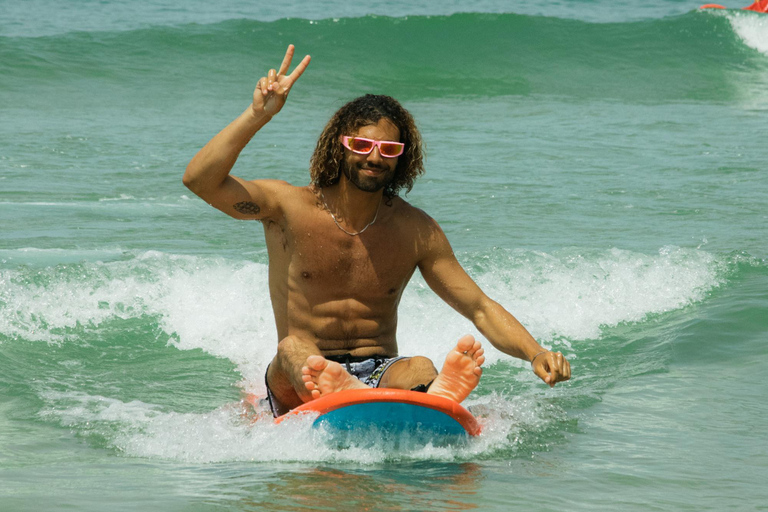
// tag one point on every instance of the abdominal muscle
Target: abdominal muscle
(343, 327)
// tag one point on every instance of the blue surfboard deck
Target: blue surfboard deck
(372, 416)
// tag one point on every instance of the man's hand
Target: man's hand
(272, 90)
(551, 367)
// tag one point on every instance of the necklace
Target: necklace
(350, 233)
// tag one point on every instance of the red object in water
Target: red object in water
(758, 6)
(352, 397)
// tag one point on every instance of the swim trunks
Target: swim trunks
(369, 370)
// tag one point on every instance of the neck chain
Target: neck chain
(322, 195)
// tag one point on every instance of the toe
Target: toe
(317, 363)
(465, 343)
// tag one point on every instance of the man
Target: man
(342, 250)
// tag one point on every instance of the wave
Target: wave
(116, 348)
(222, 306)
(688, 57)
(230, 433)
(752, 29)
(128, 200)
(36, 18)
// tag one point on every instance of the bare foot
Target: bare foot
(461, 371)
(323, 377)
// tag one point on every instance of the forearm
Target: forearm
(212, 164)
(504, 331)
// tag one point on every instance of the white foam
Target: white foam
(569, 295)
(223, 307)
(123, 197)
(218, 305)
(752, 28)
(750, 83)
(225, 310)
(138, 429)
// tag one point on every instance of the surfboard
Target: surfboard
(417, 416)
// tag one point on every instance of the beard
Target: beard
(368, 183)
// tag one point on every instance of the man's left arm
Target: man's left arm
(447, 278)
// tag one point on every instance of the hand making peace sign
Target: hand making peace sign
(272, 90)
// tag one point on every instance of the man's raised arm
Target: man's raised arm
(207, 175)
(447, 278)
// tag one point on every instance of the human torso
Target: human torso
(340, 291)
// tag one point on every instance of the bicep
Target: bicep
(448, 279)
(247, 200)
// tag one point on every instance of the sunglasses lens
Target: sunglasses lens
(360, 145)
(391, 149)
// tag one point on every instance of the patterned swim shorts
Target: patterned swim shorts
(369, 370)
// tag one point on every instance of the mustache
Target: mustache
(374, 167)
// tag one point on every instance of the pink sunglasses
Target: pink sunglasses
(362, 146)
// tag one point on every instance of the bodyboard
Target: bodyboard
(398, 412)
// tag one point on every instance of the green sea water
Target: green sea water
(600, 172)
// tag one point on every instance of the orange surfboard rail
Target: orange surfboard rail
(349, 397)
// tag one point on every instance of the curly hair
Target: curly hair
(325, 164)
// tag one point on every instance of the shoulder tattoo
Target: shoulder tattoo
(247, 208)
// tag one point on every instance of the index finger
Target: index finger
(300, 68)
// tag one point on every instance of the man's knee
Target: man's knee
(288, 344)
(285, 368)
(420, 366)
(291, 351)
(407, 373)
(283, 374)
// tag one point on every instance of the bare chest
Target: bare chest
(371, 264)
(324, 263)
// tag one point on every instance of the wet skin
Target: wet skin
(334, 293)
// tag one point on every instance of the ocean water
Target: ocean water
(599, 169)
